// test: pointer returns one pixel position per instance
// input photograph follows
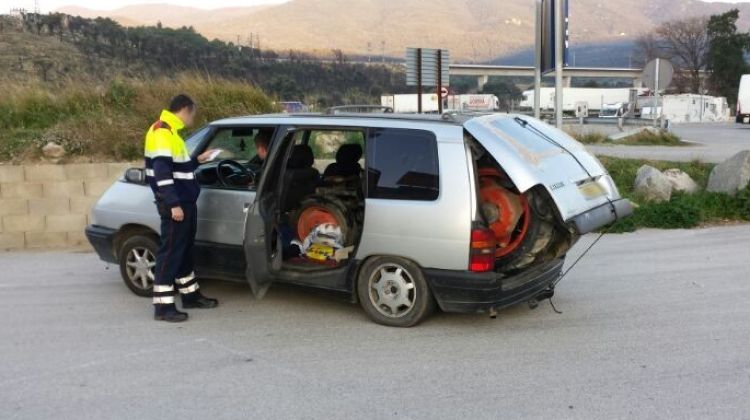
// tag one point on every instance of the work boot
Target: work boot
(196, 300)
(169, 313)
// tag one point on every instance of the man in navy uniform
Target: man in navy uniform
(170, 172)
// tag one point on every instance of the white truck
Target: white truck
(743, 100)
(596, 98)
(407, 103)
(473, 103)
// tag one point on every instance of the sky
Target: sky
(50, 5)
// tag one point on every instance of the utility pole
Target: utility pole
(538, 60)
(559, 40)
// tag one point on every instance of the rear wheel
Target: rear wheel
(137, 259)
(393, 292)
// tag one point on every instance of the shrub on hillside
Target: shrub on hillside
(108, 122)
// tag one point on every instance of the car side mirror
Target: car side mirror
(135, 175)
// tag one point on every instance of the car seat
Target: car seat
(300, 179)
(347, 162)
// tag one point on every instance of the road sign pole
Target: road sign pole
(559, 40)
(440, 80)
(538, 60)
(419, 80)
(656, 93)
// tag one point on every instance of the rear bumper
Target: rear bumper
(602, 216)
(468, 292)
(102, 239)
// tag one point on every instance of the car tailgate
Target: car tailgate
(534, 153)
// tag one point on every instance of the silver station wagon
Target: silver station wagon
(403, 213)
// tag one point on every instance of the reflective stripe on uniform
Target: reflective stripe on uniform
(183, 175)
(175, 175)
(165, 182)
(163, 300)
(158, 153)
(186, 279)
(190, 289)
(163, 288)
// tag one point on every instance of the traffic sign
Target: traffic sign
(428, 65)
(663, 77)
(444, 92)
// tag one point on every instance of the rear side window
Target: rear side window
(402, 164)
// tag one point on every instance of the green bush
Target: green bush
(683, 210)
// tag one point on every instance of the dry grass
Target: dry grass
(107, 121)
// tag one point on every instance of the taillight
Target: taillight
(482, 256)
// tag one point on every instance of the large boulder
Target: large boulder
(681, 181)
(53, 152)
(652, 185)
(732, 175)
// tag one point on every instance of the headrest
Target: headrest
(302, 157)
(349, 154)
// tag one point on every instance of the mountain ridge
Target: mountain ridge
(473, 30)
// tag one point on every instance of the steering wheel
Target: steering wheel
(239, 175)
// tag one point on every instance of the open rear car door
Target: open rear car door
(262, 241)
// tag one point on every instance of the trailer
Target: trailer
(407, 103)
(743, 100)
(596, 98)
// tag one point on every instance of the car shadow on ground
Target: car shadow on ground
(297, 301)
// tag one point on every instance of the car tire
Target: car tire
(137, 257)
(538, 238)
(394, 292)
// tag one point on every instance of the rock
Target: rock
(53, 152)
(731, 175)
(681, 181)
(652, 185)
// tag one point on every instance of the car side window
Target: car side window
(402, 164)
(235, 143)
(325, 143)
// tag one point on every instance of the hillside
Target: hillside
(472, 29)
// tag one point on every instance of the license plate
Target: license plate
(591, 190)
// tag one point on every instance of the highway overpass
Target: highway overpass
(484, 71)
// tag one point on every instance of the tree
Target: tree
(647, 47)
(726, 56)
(686, 43)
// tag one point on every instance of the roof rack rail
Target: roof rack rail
(359, 109)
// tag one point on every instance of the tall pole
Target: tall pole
(419, 80)
(559, 40)
(440, 80)
(656, 93)
(538, 59)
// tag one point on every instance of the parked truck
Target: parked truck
(407, 103)
(596, 98)
(743, 100)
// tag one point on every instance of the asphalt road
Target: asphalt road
(715, 142)
(654, 325)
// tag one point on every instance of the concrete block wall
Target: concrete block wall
(48, 206)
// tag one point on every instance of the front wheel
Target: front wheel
(137, 259)
(393, 292)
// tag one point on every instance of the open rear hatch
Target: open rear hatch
(533, 153)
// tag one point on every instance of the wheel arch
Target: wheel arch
(126, 232)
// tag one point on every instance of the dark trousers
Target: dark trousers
(174, 261)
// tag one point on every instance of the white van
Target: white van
(743, 100)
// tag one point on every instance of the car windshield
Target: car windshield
(195, 138)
